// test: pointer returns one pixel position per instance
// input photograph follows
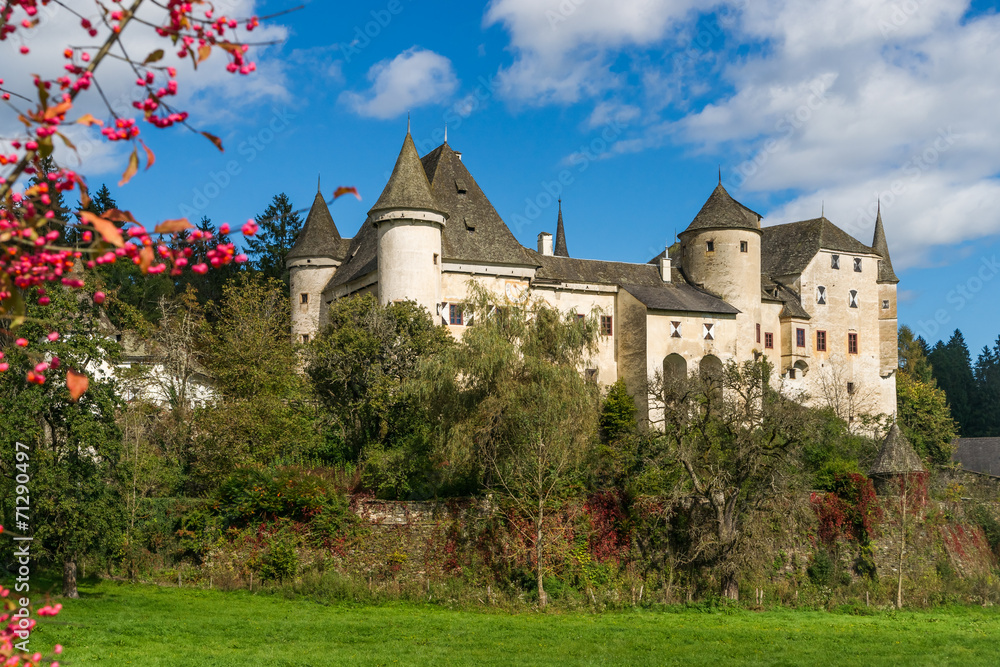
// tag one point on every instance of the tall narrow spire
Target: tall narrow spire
(881, 246)
(560, 249)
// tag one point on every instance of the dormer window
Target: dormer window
(821, 295)
(710, 246)
(835, 262)
(460, 186)
(857, 264)
(854, 298)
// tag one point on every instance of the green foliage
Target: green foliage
(985, 421)
(830, 448)
(617, 413)
(924, 418)
(826, 477)
(279, 226)
(281, 561)
(952, 367)
(913, 355)
(985, 519)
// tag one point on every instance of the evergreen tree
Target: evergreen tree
(100, 203)
(913, 356)
(209, 286)
(986, 417)
(952, 369)
(279, 226)
(57, 204)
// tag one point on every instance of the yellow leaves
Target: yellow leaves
(77, 383)
(116, 215)
(173, 226)
(57, 110)
(345, 190)
(107, 229)
(150, 158)
(89, 120)
(204, 51)
(132, 169)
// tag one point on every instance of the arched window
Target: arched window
(674, 367)
(710, 367)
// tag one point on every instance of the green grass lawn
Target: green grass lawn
(114, 624)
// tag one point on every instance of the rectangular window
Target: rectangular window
(800, 338)
(885, 304)
(854, 298)
(821, 295)
(769, 341)
(303, 298)
(607, 327)
(857, 264)
(709, 334)
(305, 338)
(744, 246)
(579, 317)
(758, 333)
(710, 246)
(835, 262)
(850, 387)
(791, 373)
(675, 329)
(852, 343)
(435, 259)
(821, 341)
(455, 314)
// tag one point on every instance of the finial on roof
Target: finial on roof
(822, 208)
(446, 133)
(318, 180)
(407, 122)
(878, 207)
(720, 174)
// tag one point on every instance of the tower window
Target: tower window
(850, 387)
(821, 341)
(607, 325)
(435, 259)
(675, 329)
(800, 338)
(758, 333)
(709, 333)
(744, 246)
(885, 304)
(835, 262)
(857, 264)
(821, 295)
(852, 343)
(854, 298)
(305, 338)
(710, 246)
(455, 314)
(303, 298)
(769, 341)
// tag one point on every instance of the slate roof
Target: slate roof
(319, 236)
(571, 270)
(786, 295)
(408, 186)
(361, 257)
(475, 232)
(880, 246)
(787, 249)
(980, 455)
(683, 297)
(896, 457)
(560, 249)
(722, 211)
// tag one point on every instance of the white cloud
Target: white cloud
(416, 77)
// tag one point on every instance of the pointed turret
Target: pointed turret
(408, 187)
(560, 249)
(721, 211)
(319, 236)
(879, 245)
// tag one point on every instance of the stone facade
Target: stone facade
(819, 304)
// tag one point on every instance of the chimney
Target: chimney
(665, 266)
(545, 243)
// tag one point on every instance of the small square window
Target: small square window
(821, 341)
(835, 262)
(769, 341)
(850, 387)
(607, 326)
(857, 264)
(435, 259)
(854, 298)
(821, 295)
(710, 246)
(885, 304)
(305, 338)
(758, 333)
(675, 329)
(709, 333)
(579, 317)
(791, 373)
(744, 246)
(800, 338)
(303, 298)
(455, 314)
(852, 343)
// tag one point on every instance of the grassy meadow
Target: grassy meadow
(120, 624)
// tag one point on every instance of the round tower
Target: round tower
(311, 263)
(720, 252)
(410, 225)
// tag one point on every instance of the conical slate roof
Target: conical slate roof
(897, 456)
(408, 187)
(879, 245)
(722, 211)
(319, 236)
(560, 249)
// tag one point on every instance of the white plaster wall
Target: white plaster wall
(308, 276)
(409, 261)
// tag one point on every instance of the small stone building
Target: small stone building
(896, 459)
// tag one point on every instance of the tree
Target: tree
(732, 435)
(208, 286)
(617, 413)
(279, 224)
(952, 368)
(985, 421)
(924, 417)
(913, 355)
(514, 409)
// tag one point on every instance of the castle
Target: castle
(819, 304)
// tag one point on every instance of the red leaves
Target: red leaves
(107, 229)
(145, 258)
(345, 190)
(77, 383)
(173, 226)
(150, 158)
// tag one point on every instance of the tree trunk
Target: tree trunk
(542, 601)
(730, 587)
(69, 579)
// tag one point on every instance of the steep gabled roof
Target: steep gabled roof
(880, 246)
(319, 236)
(560, 249)
(475, 232)
(408, 187)
(721, 211)
(787, 249)
(897, 456)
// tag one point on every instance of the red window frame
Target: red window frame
(455, 315)
(821, 341)
(758, 334)
(768, 340)
(800, 338)
(852, 343)
(607, 325)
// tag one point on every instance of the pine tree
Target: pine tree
(986, 418)
(913, 356)
(952, 369)
(279, 226)
(57, 204)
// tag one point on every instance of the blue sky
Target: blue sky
(804, 104)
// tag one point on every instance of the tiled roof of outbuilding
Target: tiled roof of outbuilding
(980, 455)
(568, 269)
